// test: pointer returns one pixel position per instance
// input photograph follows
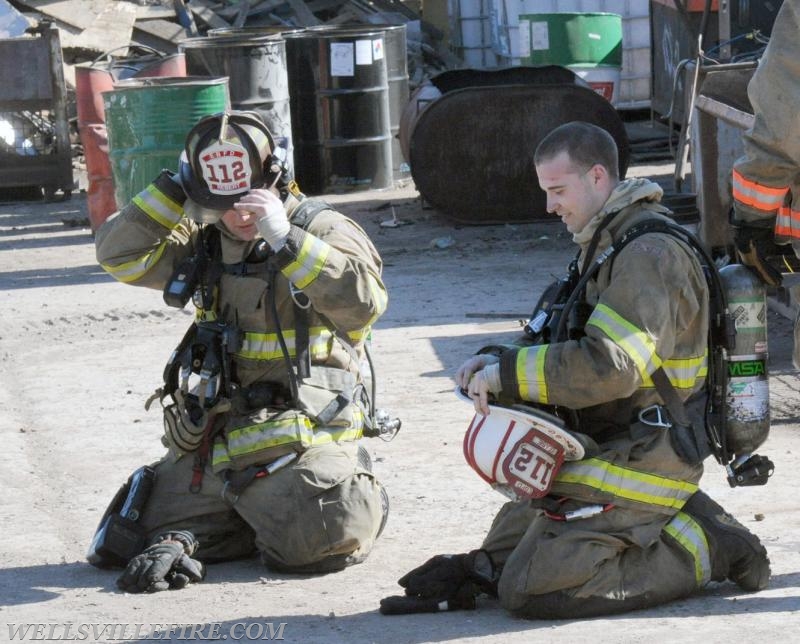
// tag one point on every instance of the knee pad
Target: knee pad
(119, 537)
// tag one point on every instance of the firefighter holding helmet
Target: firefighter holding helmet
(264, 398)
(620, 523)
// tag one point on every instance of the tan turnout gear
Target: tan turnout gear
(331, 272)
(613, 537)
(766, 180)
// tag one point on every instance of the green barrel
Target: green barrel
(571, 39)
(147, 121)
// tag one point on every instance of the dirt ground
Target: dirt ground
(80, 353)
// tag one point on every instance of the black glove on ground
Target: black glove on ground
(444, 583)
(755, 245)
(167, 563)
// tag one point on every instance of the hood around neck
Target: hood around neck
(625, 194)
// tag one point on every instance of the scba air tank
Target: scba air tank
(748, 384)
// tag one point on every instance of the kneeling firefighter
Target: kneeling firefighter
(264, 398)
(596, 423)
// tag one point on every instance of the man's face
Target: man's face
(240, 223)
(574, 194)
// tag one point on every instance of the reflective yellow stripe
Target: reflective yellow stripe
(379, 297)
(134, 270)
(266, 346)
(309, 263)
(633, 341)
(626, 483)
(683, 373)
(159, 207)
(245, 441)
(360, 335)
(756, 195)
(688, 533)
(530, 373)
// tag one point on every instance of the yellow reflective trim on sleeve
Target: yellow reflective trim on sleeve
(625, 483)
(683, 373)
(633, 341)
(530, 373)
(360, 335)
(688, 533)
(159, 207)
(379, 296)
(134, 270)
(309, 263)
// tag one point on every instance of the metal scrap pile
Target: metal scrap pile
(94, 28)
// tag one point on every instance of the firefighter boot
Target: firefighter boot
(735, 552)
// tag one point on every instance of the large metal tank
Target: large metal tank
(339, 93)
(255, 63)
(472, 149)
(453, 79)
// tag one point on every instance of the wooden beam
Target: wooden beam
(111, 30)
(304, 16)
(204, 11)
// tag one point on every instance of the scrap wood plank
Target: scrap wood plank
(204, 10)
(80, 14)
(304, 16)
(154, 12)
(257, 7)
(111, 30)
(163, 35)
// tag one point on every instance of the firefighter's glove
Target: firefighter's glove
(270, 215)
(754, 245)
(166, 564)
(444, 583)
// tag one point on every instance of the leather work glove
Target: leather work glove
(270, 215)
(444, 583)
(754, 245)
(167, 563)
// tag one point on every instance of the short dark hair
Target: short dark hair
(584, 143)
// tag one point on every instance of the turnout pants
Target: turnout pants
(320, 513)
(620, 560)
(617, 561)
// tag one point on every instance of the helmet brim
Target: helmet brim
(202, 214)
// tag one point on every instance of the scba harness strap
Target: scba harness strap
(693, 443)
(205, 352)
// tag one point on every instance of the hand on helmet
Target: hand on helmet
(270, 215)
(471, 366)
(472, 378)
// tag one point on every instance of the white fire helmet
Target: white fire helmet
(518, 450)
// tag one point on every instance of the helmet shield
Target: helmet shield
(226, 156)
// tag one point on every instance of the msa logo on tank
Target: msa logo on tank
(226, 168)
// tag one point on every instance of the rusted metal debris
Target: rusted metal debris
(92, 29)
